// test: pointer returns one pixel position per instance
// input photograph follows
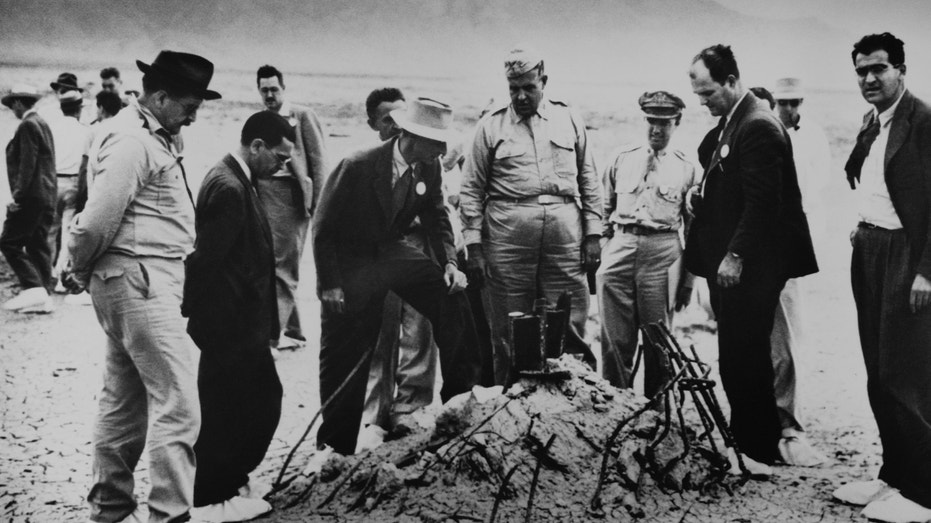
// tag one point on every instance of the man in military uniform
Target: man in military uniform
(530, 204)
(642, 277)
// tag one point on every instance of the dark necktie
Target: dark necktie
(861, 150)
(401, 187)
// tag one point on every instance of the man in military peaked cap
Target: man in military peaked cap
(642, 279)
(531, 204)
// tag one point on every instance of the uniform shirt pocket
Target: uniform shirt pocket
(563, 148)
(667, 206)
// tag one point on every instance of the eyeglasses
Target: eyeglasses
(793, 103)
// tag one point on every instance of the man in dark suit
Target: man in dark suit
(367, 204)
(30, 164)
(891, 279)
(748, 237)
(290, 197)
(229, 296)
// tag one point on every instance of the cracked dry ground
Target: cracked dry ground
(52, 368)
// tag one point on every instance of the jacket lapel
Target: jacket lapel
(724, 144)
(251, 195)
(381, 178)
(901, 123)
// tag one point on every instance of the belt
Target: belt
(640, 230)
(542, 199)
(868, 225)
(60, 175)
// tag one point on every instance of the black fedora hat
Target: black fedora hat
(185, 70)
(66, 81)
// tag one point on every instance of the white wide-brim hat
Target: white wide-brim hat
(20, 91)
(426, 118)
(789, 89)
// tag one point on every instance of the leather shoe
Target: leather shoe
(862, 492)
(896, 508)
(236, 508)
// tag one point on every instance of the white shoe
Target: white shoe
(756, 469)
(78, 299)
(862, 492)
(797, 450)
(32, 298)
(370, 437)
(315, 464)
(236, 508)
(255, 489)
(896, 508)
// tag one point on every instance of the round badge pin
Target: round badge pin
(725, 150)
(420, 188)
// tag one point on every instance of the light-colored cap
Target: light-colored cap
(788, 89)
(71, 99)
(521, 60)
(426, 118)
(20, 91)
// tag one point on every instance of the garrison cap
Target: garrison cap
(661, 104)
(521, 60)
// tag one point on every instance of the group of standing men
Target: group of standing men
(533, 223)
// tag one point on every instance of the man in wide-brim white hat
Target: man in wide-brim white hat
(366, 207)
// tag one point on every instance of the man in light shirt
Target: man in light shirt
(128, 247)
(890, 167)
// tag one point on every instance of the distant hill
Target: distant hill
(635, 41)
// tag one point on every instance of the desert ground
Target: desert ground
(52, 363)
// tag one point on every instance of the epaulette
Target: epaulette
(680, 154)
(629, 148)
(558, 102)
(499, 107)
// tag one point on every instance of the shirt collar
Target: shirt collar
(150, 121)
(730, 114)
(242, 164)
(399, 162)
(886, 116)
(285, 109)
(27, 113)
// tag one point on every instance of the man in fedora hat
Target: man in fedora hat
(72, 141)
(641, 279)
(813, 165)
(127, 247)
(64, 84)
(531, 205)
(30, 164)
(367, 204)
(290, 197)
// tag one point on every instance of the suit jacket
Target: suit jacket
(308, 162)
(30, 162)
(354, 229)
(229, 288)
(751, 203)
(907, 170)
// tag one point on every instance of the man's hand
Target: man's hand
(920, 296)
(333, 300)
(591, 253)
(729, 271)
(455, 279)
(693, 199)
(72, 282)
(476, 267)
(683, 297)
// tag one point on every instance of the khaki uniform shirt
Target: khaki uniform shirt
(645, 192)
(544, 154)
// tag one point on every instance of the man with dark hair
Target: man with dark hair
(290, 197)
(642, 279)
(229, 296)
(891, 278)
(30, 167)
(361, 253)
(748, 236)
(127, 247)
(378, 107)
(72, 141)
(763, 94)
(110, 80)
(531, 206)
(108, 105)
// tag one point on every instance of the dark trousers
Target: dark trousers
(24, 243)
(745, 321)
(482, 329)
(897, 352)
(240, 401)
(345, 337)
